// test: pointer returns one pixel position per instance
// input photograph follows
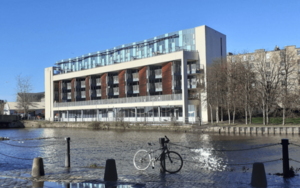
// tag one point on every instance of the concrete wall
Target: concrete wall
(210, 44)
(49, 92)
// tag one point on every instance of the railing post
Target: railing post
(67, 157)
(285, 157)
(162, 157)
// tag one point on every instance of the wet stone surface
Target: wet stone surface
(203, 167)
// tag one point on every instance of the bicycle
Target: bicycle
(170, 161)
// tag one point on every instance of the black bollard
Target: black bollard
(162, 157)
(110, 173)
(67, 158)
(285, 157)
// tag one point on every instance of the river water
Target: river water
(95, 146)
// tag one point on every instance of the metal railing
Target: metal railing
(122, 100)
(177, 49)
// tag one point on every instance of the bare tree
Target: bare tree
(2, 104)
(24, 98)
(267, 78)
(288, 80)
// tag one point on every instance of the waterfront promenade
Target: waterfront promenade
(203, 167)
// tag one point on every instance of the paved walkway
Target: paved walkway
(90, 176)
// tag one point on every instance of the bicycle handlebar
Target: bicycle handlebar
(168, 140)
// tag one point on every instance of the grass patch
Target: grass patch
(94, 165)
(276, 120)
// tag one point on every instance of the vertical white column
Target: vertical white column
(81, 115)
(196, 112)
(97, 114)
(159, 114)
(135, 113)
(68, 115)
(184, 88)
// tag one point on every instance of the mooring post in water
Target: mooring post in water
(67, 158)
(285, 157)
(162, 157)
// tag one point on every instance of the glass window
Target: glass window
(282, 64)
(252, 58)
(298, 52)
(267, 64)
(268, 56)
(245, 58)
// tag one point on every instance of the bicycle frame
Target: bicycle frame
(153, 158)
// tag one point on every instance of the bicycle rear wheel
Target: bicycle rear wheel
(173, 162)
(141, 160)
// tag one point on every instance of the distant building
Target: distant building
(37, 107)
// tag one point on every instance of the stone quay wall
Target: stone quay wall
(100, 125)
(252, 130)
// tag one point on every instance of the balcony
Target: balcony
(195, 68)
(116, 90)
(113, 80)
(193, 96)
(116, 79)
(98, 92)
(135, 76)
(192, 84)
(153, 74)
(98, 82)
(158, 73)
(82, 83)
(82, 94)
(158, 87)
(69, 96)
(136, 89)
(122, 100)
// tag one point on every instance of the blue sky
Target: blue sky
(34, 34)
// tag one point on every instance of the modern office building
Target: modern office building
(158, 79)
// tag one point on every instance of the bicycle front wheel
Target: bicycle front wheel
(141, 160)
(173, 162)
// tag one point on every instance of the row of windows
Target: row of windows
(129, 112)
(268, 55)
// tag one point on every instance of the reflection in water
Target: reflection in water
(81, 185)
(95, 146)
(207, 160)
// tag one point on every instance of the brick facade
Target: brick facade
(87, 88)
(73, 90)
(122, 84)
(59, 91)
(143, 81)
(103, 86)
(167, 78)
